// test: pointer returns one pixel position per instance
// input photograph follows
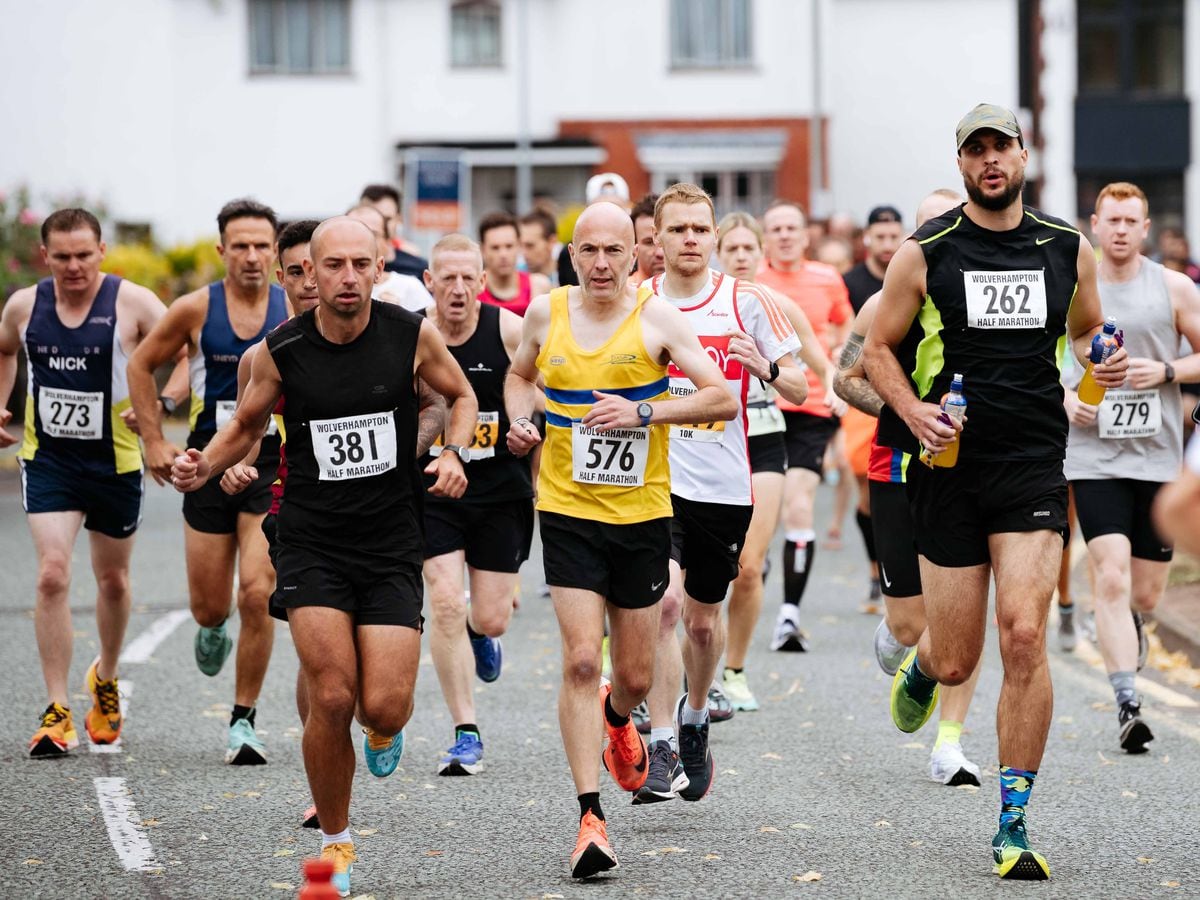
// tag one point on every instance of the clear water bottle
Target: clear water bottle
(1104, 345)
(955, 405)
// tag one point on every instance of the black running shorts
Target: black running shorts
(628, 565)
(1121, 506)
(495, 536)
(706, 541)
(807, 436)
(895, 544)
(372, 591)
(768, 453)
(213, 511)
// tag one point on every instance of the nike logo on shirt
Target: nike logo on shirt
(1041, 241)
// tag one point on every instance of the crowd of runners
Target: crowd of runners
(369, 428)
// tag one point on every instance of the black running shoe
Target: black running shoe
(666, 777)
(697, 759)
(1135, 734)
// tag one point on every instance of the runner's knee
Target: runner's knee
(581, 667)
(112, 584)
(54, 578)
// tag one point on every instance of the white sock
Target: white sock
(342, 837)
(694, 716)
(800, 535)
(663, 734)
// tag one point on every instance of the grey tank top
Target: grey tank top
(1137, 434)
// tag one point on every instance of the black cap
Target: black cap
(884, 214)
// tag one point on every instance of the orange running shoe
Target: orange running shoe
(343, 858)
(625, 756)
(103, 721)
(592, 853)
(57, 734)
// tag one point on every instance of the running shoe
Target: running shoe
(889, 652)
(245, 749)
(465, 757)
(489, 657)
(212, 648)
(737, 689)
(666, 777)
(57, 734)
(592, 852)
(1067, 639)
(1012, 856)
(720, 709)
(103, 720)
(788, 637)
(908, 713)
(1143, 641)
(382, 753)
(310, 819)
(949, 766)
(1135, 734)
(625, 756)
(641, 717)
(695, 755)
(343, 857)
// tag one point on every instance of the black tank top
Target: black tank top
(351, 419)
(493, 474)
(995, 310)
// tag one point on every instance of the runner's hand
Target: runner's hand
(931, 425)
(522, 437)
(160, 456)
(744, 349)
(1082, 415)
(237, 478)
(451, 479)
(835, 403)
(190, 471)
(1146, 373)
(6, 439)
(1111, 374)
(611, 411)
(129, 417)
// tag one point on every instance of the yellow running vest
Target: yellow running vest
(622, 476)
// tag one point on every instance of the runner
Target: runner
(649, 251)
(821, 295)
(740, 250)
(80, 460)
(994, 286)
(506, 286)
(885, 231)
(350, 531)
(1177, 507)
(904, 607)
(392, 287)
(539, 244)
(1121, 453)
(217, 324)
(407, 259)
(489, 528)
(603, 350)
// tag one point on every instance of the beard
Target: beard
(1000, 201)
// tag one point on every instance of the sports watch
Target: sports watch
(462, 453)
(645, 411)
(773, 372)
(168, 404)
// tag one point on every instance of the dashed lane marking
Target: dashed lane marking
(124, 826)
(141, 648)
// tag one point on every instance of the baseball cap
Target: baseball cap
(607, 186)
(988, 115)
(884, 214)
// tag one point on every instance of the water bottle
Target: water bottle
(318, 885)
(1104, 345)
(955, 405)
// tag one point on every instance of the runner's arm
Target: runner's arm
(851, 381)
(520, 384)
(1185, 297)
(16, 312)
(441, 370)
(431, 420)
(1177, 506)
(242, 474)
(1085, 318)
(770, 337)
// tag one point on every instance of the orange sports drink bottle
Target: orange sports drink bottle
(955, 405)
(1104, 345)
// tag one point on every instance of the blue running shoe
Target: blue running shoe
(382, 753)
(489, 657)
(212, 649)
(464, 758)
(245, 749)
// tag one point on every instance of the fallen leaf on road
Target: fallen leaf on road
(913, 745)
(650, 853)
(1145, 860)
(807, 876)
(883, 823)
(795, 688)
(1130, 794)
(150, 823)
(552, 896)
(1169, 883)
(769, 829)
(711, 856)
(285, 852)
(917, 844)
(771, 756)
(807, 724)
(434, 852)
(970, 788)
(282, 886)
(800, 825)
(208, 807)
(1066, 720)
(33, 862)
(229, 795)
(531, 803)
(1104, 760)
(203, 837)
(251, 794)
(671, 850)
(729, 772)
(365, 832)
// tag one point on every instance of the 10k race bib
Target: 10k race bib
(705, 432)
(71, 414)
(225, 410)
(355, 446)
(1129, 414)
(1007, 299)
(609, 457)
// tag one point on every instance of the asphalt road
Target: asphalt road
(816, 795)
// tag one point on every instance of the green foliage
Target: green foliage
(20, 240)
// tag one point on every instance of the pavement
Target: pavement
(816, 795)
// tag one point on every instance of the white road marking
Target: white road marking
(126, 687)
(141, 648)
(124, 826)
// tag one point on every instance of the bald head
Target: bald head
(345, 263)
(604, 217)
(343, 231)
(602, 250)
(938, 203)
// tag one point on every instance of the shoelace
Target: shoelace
(52, 715)
(108, 697)
(661, 763)
(464, 743)
(343, 855)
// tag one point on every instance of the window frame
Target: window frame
(480, 11)
(1124, 18)
(318, 40)
(726, 58)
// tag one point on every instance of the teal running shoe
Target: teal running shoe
(908, 712)
(212, 649)
(1012, 856)
(245, 749)
(382, 753)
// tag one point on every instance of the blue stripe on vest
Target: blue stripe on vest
(641, 392)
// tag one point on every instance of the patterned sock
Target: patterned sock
(1015, 787)
(1123, 686)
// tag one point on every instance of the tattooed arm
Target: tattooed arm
(851, 382)
(432, 419)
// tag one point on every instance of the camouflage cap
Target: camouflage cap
(988, 115)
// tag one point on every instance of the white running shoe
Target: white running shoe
(788, 636)
(889, 652)
(948, 766)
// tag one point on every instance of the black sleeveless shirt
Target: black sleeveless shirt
(995, 310)
(351, 418)
(493, 474)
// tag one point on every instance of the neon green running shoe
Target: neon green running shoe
(908, 713)
(1012, 856)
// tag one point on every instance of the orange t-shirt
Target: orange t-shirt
(819, 291)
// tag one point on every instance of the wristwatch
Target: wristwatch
(1168, 373)
(773, 371)
(645, 411)
(168, 404)
(462, 453)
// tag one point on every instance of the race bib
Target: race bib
(1011, 299)
(1129, 414)
(609, 457)
(766, 419)
(71, 414)
(225, 410)
(705, 432)
(354, 447)
(483, 444)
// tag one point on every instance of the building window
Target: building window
(747, 191)
(475, 33)
(710, 34)
(1131, 47)
(299, 37)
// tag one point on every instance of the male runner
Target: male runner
(406, 258)
(489, 528)
(506, 286)
(649, 253)
(904, 607)
(994, 286)
(80, 461)
(392, 287)
(1121, 453)
(821, 295)
(748, 336)
(217, 324)
(884, 232)
(350, 528)
(1177, 507)
(602, 350)
(539, 235)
